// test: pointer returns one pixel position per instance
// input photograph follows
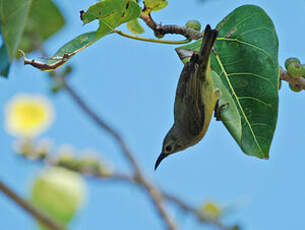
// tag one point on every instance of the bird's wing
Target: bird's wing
(188, 105)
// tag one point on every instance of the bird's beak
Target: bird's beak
(160, 158)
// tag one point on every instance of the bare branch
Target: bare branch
(155, 195)
(161, 30)
(188, 208)
(46, 67)
(121, 177)
(28, 207)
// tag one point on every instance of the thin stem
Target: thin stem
(155, 195)
(132, 180)
(28, 207)
(188, 208)
(151, 39)
(98, 120)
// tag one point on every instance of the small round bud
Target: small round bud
(295, 70)
(210, 209)
(68, 69)
(235, 227)
(93, 166)
(193, 24)
(294, 88)
(291, 60)
(159, 35)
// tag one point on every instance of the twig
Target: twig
(161, 30)
(121, 177)
(44, 66)
(297, 82)
(201, 217)
(28, 207)
(150, 39)
(155, 195)
(100, 122)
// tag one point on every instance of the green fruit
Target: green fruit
(193, 24)
(291, 60)
(294, 88)
(59, 193)
(303, 70)
(295, 70)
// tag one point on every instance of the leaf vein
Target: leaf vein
(244, 43)
(252, 74)
(256, 99)
(255, 29)
(238, 102)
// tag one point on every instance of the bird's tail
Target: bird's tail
(206, 47)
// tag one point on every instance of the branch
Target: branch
(73, 164)
(187, 208)
(28, 207)
(155, 195)
(161, 30)
(297, 82)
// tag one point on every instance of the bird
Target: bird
(195, 100)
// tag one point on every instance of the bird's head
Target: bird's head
(173, 142)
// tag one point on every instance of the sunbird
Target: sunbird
(195, 100)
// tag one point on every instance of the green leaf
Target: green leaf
(111, 14)
(14, 14)
(25, 25)
(64, 53)
(4, 59)
(135, 27)
(4, 62)
(154, 5)
(246, 61)
(230, 115)
(44, 20)
(74, 46)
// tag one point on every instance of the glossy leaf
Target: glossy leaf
(14, 14)
(246, 60)
(111, 14)
(135, 27)
(74, 46)
(154, 5)
(25, 25)
(4, 59)
(4, 62)
(44, 20)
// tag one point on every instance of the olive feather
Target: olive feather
(194, 102)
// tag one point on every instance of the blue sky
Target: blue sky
(132, 85)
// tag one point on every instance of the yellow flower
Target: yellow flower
(28, 115)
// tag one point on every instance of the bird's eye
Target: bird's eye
(168, 148)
